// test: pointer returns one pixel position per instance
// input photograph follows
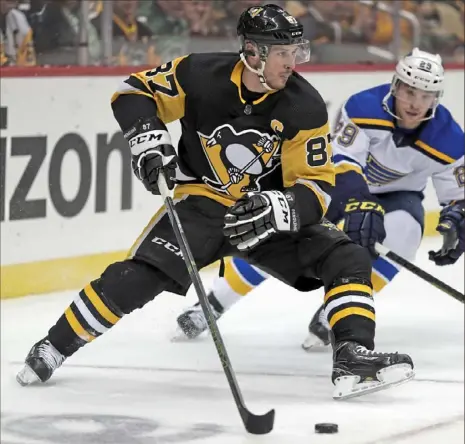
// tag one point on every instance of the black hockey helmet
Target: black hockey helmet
(269, 25)
(266, 26)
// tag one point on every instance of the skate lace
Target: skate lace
(51, 356)
(364, 351)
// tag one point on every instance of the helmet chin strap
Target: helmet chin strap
(258, 71)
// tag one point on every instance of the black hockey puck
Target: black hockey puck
(326, 427)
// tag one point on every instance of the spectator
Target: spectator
(133, 42)
(164, 17)
(56, 27)
(383, 31)
(329, 21)
(35, 6)
(17, 46)
(3, 58)
(203, 17)
(126, 24)
(442, 28)
(355, 22)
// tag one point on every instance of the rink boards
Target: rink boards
(69, 204)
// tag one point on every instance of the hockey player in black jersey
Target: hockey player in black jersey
(249, 122)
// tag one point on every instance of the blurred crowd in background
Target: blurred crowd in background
(150, 32)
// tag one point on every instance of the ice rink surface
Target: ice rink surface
(135, 385)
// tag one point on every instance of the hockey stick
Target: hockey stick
(255, 424)
(420, 273)
(242, 171)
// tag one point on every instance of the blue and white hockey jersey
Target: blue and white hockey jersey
(367, 144)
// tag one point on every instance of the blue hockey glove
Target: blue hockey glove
(451, 226)
(364, 223)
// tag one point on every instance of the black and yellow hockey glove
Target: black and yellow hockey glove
(152, 153)
(364, 223)
(257, 216)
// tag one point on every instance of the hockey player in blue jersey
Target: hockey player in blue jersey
(388, 141)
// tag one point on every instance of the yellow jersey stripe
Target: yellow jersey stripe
(145, 232)
(104, 311)
(236, 78)
(434, 152)
(198, 189)
(141, 77)
(153, 221)
(345, 167)
(77, 327)
(377, 122)
(347, 287)
(349, 312)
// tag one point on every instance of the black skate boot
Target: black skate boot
(193, 322)
(358, 371)
(42, 360)
(319, 331)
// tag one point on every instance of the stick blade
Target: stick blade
(258, 424)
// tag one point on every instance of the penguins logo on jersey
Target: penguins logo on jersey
(239, 159)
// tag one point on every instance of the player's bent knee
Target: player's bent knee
(130, 284)
(346, 261)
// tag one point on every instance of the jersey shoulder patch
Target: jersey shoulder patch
(442, 139)
(366, 110)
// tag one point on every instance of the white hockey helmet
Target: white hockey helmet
(421, 70)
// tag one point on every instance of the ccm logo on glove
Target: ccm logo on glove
(150, 139)
(364, 206)
(257, 216)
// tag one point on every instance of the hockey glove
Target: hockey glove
(257, 216)
(152, 153)
(364, 223)
(451, 226)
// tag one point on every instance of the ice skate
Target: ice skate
(358, 371)
(192, 322)
(42, 360)
(319, 331)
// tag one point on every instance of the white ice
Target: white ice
(135, 385)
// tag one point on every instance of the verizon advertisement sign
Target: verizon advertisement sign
(66, 183)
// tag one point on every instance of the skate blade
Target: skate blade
(312, 341)
(349, 387)
(27, 376)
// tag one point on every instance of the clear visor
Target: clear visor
(294, 54)
(415, 97)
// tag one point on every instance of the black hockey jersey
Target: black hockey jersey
(230, 145)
